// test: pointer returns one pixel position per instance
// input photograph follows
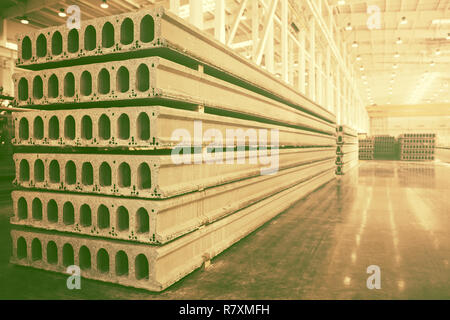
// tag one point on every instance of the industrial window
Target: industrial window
(124, 175)
(85, 258)
(90, 38)
(121, 263)
(87, 174)
(23, 129)
(142, 221)
(123, 80)
(21, 248)
(56, 43)
(68, 257)
(85, 215)
(105, 174)
(22, 209)
(144, 176)
(103, 81)
(69, 85)
(26, 48)
(36, 209)
(123, 219)
(104, 127)
(39, 171)
(142, 78)
(123, 124)
(143, 126)
(71, 173)
(52, 211)
(141, 267)
(53, 87)
(38, 128)
(107, 35)
(23, 89)
(147, 28)
(86, 83)
(127, 31)
(38, 89)
(86, 128)
(54, 171)
(41, 46)
(69, 128)
(24, 170)
(53, 128)
(52, 253)
(102, 261)
(73, 40)
(68, 214)
(103, 217)
(36, 249)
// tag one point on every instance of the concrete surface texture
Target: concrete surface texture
(386, 213)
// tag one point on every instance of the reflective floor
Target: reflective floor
(391, 214)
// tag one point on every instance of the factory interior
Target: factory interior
(225, 149)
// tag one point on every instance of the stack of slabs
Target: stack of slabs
(346, 150)
(97, 182)
(385, 147)
(417, 146)
(366, 147)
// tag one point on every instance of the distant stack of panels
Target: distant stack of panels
(97, 184)
(417, 147)
(385, 147)
(366, 148)
(346, 150)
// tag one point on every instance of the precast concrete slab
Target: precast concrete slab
(152, 176)
(154, 127)
(152, 221)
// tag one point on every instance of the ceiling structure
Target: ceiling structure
(413, 72)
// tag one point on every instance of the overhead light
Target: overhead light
(395, 66)
(348, 27)
(392, 81)
(397, 55)
(104, 4)
(355, 44)
(394, 74)
(404, 20)
(438, 52)
(363, 77)
(62, 13)
(361, 68)
(24, 20)
(358, 58)
(432, 64)
(399, 40)
(448, 36)
(341, 2)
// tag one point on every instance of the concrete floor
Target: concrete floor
(392, 214)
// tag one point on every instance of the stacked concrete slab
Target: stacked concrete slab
(366, 148)
(96, 183)
(346, 150)
(417, 146)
